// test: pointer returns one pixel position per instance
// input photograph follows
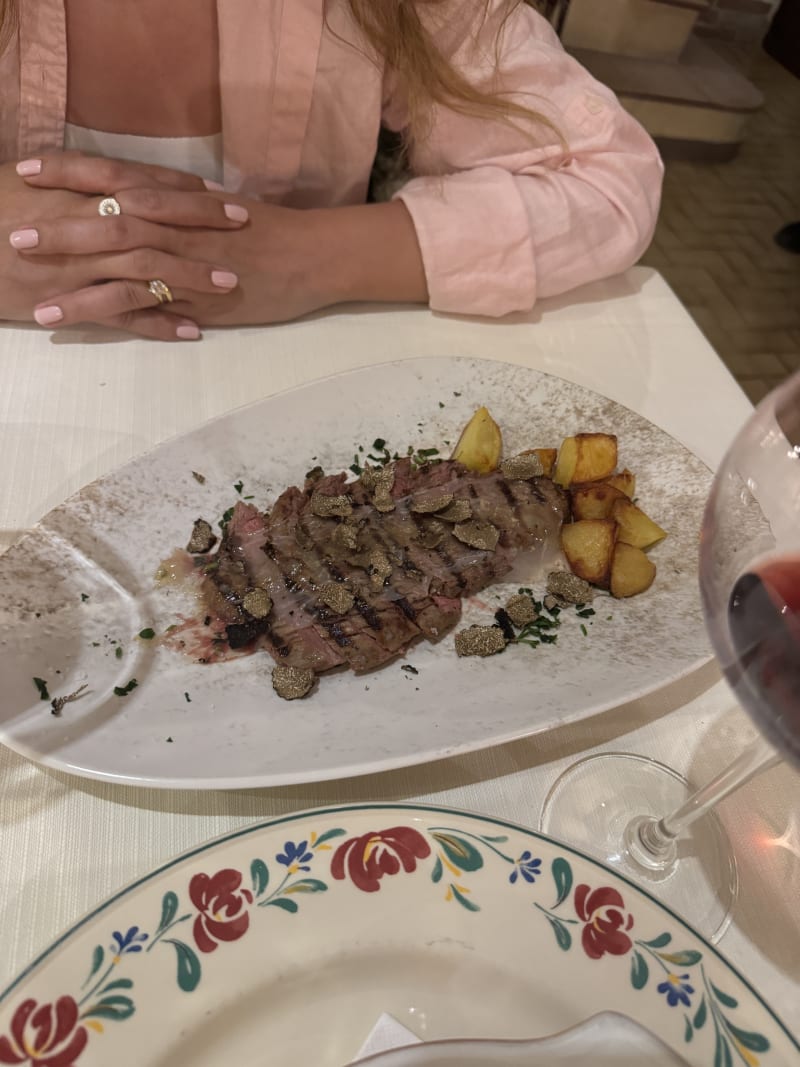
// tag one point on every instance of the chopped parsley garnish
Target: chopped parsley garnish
(188, 698)
(123, 690)
(169, 740)
(239, 486)
(41, 685)
(383, 455)
(584, 631)
(201, 478)
(118, 651)
(226, 518)
(147, 634)
(84, 597)
(584, 613)
(441, 405)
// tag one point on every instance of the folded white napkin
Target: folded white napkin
(607, 1039)
(386, 1033)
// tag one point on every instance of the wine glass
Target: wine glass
(639, 815)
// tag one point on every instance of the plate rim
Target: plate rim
(407, 806)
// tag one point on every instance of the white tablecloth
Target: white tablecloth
(75, 404)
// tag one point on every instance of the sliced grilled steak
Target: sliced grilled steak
(401, 566)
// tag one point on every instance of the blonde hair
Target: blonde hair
(8, 22)
(394, 29)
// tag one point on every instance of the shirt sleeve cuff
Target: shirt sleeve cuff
(474, 236)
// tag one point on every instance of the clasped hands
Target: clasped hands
(226, 259)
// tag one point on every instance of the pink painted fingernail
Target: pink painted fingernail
(28, 167)
(21, 239)
(188, 333)
(48, 316)
(237, 213)
(214, 187)
(224, 279)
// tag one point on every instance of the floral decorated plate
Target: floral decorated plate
(285, 942)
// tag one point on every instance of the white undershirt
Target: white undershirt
(196, 155)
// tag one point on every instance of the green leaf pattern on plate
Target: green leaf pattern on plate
(588, 922)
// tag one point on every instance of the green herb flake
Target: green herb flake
(188, 698)
(147, 634)
(239, 486)
(123, 690)
(41, 685)
(379, 444)
(169, 740)
(609, 618)
(118, 651)
(586, 613)
(584, 631)
(226, 518)
(84, 597)
(441, 405)
(201, 478)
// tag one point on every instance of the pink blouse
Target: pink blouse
(503, 215)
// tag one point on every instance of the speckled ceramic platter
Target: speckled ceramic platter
(79, 588)
(284, 943)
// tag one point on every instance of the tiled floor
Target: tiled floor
(714, 241)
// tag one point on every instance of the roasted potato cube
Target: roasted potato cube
(631, 571)
(635, 528)
(586, 457)
(589, 548)
(564, 473)
(594, 501)
(547, 457)
(480, 445)
(624, 481)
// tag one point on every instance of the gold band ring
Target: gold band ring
(109, 206)
(160, 290)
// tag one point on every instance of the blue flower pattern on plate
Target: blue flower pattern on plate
(527, 866)
(296, 855)
(677, 990)
(130, 942)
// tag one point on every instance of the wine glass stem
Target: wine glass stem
(657, 835)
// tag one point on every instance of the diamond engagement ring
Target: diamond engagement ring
(160, 290)
(109, 206)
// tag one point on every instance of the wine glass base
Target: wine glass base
(591, 805)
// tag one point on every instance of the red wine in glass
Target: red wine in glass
(764, 623)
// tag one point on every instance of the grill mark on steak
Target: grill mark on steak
(378, 627)
(290, 634)
(293, 550)
(349, 630)
(374, 630)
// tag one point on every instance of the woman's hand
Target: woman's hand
(288, 262)
(58, 242)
